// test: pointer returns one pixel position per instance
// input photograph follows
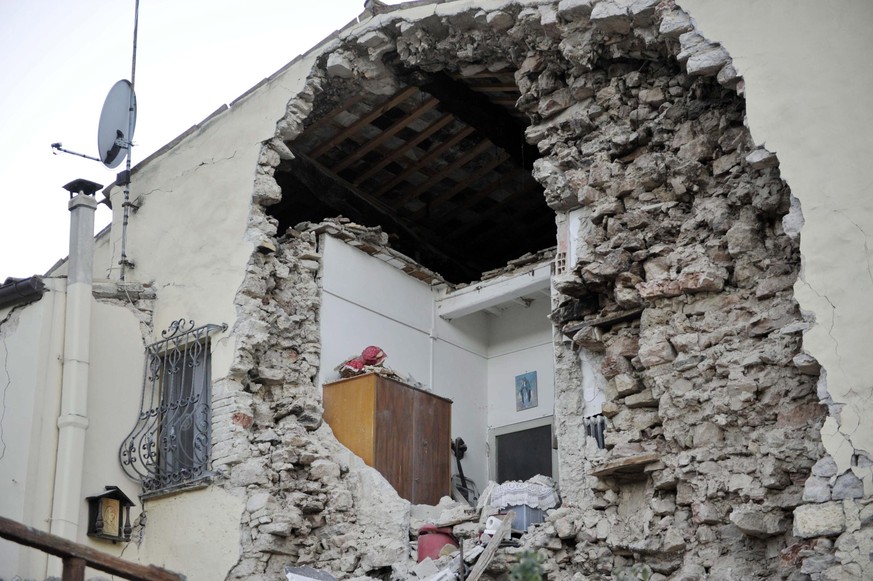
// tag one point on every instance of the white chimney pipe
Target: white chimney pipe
(67, 499)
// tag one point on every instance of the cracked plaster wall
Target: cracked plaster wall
(27, 415)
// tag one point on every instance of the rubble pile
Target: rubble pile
(680, 303)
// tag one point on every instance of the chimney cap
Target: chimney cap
(84, 186)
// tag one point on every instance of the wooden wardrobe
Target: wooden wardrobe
(401, 431)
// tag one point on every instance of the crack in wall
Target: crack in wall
(867, 254)
(3, 335)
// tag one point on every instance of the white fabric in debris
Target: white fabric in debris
(538, 492)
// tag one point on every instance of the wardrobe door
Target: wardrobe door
(395, 405)
(432, 448)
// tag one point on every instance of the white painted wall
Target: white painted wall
(29, 404)
(520, 341)
(472, 360)
(368, 302)
(807, 82)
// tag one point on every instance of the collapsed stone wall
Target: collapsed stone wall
(682, 292)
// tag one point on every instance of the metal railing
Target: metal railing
(76, 556)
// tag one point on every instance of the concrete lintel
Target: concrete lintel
(485, 295)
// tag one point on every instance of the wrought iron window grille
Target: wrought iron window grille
(168, 448)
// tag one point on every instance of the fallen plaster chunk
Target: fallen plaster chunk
(338, 65)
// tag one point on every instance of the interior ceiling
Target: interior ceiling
(441, 165)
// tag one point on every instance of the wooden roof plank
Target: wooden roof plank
(385, 135)
(458, 163)
(427, 159)
(363, 121)
(430, 130)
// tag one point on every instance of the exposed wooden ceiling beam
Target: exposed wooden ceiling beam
(469, 182)
(342, 107)
(386, 134)
(426, 160)
(452, 166)
(345, 198)
(362, 122)
(478, 194)
(473, 108)
(430, 130)
(495, 88)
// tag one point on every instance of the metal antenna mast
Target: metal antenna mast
(131, 119)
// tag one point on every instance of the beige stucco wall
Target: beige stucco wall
(808, 83)
(188, 240)
(29, 380)
(188, 236)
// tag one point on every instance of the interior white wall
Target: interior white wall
(472, 360)
(520, 341)
(368, 302)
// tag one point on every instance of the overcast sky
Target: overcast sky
(59, 59)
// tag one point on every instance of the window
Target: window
(523, 450)
(168, 448)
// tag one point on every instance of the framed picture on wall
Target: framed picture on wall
(526, 391)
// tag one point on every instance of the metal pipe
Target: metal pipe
(73, 418)
(125, 207)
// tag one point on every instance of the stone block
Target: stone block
(611, 17)
(655, 353)
(324, 470)
(566, 528)
(571, 10)
(825, 467)
(847, 486)
(675, 23)
(500, 20)
(761, 158)
(807, 364)
(706, 434)
(819, 520)
(816, 489)
(626, 384)
(707, 62)
(640, 400)
(754, 522)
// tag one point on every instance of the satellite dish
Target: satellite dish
(117, 119)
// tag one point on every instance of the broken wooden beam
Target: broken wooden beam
(492, 547)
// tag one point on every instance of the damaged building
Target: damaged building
(625, 240)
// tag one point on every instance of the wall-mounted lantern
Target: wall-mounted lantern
(109, 515)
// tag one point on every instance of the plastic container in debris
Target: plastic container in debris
(525, 516)
(432, 539)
